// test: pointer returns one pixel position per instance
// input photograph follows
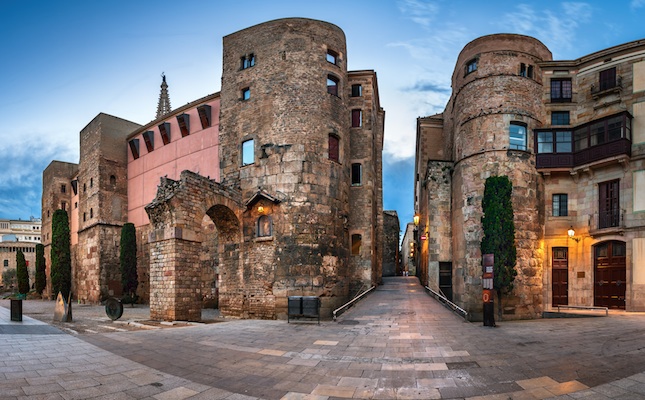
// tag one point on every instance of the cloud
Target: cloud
(419, 11)
(635, 4)
(556, 28)
(22, 166)
(425, 86)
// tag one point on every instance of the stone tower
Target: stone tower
(495, 107)
(285, 139)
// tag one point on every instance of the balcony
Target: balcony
(607, 223)
(604, 139)
(607, 87)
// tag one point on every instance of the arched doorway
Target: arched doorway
(610, 274)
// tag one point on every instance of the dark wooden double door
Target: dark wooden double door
(609, 275)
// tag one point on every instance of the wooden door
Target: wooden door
(610, 275)
(560, 276)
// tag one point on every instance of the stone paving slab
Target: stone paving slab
(397, 343)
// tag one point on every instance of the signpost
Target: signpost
(488, 263)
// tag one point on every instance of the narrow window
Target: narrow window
(561, 90)
(530, 72)
(63, 188)
(471, 66)
(357, 90)
(84, 187)
(265, 226)
(608, 204)
(560, 118)
(91, 213)
(523, 69)
(134, 148)
(247, 61)
(112, 180)
(75, 204)
(251, 60)
(357, 118)
(334, 148)
(63, 206)
(184, 124)
(6, 263)
(246, 93)
(332, 85)
(84, 217)
(608, 79)
(332, 57)
(357, 174)
(248, 156)
(204, 112)
(357, 240)
(517, 136)
(149, 139)
(560, 205)
(164, 131)
(91, 182)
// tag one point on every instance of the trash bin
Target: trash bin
(16, 310)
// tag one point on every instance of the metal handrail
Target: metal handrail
(585, 308)
(349, 303)
(449, 303)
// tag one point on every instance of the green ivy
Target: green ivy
(128, 262)
(41, 277)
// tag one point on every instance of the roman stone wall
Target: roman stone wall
(437, 228)
(391, 233)
(486, 101)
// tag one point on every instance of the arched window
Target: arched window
(265, 226)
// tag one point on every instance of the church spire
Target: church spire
(164, 99)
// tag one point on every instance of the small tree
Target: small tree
(41, 276)
(9, 277)
(22, 273)
(61, 268)
(499, 234)
(128, 261)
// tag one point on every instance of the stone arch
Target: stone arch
(177, 214)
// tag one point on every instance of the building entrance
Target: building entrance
(560, 276)
(609, 275)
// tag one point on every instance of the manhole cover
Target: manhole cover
(407, 313)
(348, 322)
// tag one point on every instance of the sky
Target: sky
(64, 62)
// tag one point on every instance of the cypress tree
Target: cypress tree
(41, 277)
(22, 273)
(61, 269)
(499, 234)
(128, 262)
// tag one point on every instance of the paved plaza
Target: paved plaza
(396, 343)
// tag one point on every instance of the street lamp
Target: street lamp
(416, 219)
(572, 234)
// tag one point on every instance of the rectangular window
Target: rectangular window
(581, 139)
(246, 94)
(204, 112)
(184, 124)
(560, 205)
(357, 240)
(357, 90)
(526, 70)
(334, 148)
(6, 263)
(332, 57)
(247, 61)
(63, 206)
(563, 142)
(608, 79)
(560, 118)
(357, 118)
(561, 90)
(517, 136)
(545, 142)
(609, 204)
(149, 139)
(471, 66)
(357, 174)
(332, 85)
(248, 152)
(164, 131)
(134, 148)
(63, 188)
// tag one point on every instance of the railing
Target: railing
(607, 86)
(585, 308)
(455, 308)
(608, 219)
(349, 303)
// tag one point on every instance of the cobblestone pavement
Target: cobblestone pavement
(397, 343)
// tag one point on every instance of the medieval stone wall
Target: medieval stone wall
(486, 101)
(392, 236)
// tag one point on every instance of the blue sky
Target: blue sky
(63, 62)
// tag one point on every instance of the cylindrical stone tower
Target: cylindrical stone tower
(497, 102)
(284, 136)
